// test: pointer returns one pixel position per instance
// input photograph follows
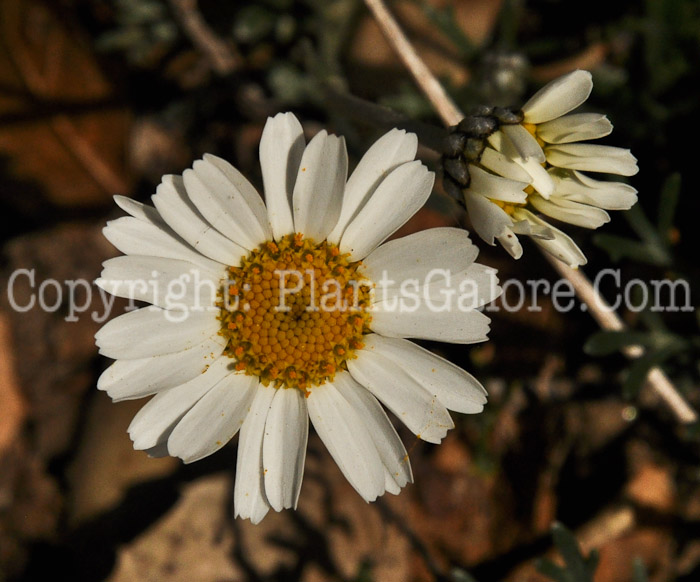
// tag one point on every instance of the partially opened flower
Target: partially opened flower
(531, 161)
(267, 314)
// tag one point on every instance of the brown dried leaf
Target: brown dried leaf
(59, 130)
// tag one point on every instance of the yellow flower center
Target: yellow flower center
(532, 129)
(294, 312)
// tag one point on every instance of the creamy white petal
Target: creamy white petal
(154, 423)
(575, 127)
(390, 151)
(386, 440)
(561, 246)
(538, 176)
(137, 237)
(284, 448)
(344, 433)
(214, 419)
(130, 379)
(541, 180)
(423, 414)
(318, 191)
(455, 388)
(488, 219)
(496, 187)
(281, 148)
(537, 230)
(571, 212)
(609, 195)
(167, 283)
(511, 243)
(415, 256)
(397, 199)
(152, 331)
(593, 157)
(524, 143)
(558, 97)
(249, 501)
(228, 201)
(503, 166)
(177, 210)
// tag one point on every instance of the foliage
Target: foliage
(577, 567)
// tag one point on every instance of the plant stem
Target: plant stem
(586, 292)
(220, 55)
(445, 107)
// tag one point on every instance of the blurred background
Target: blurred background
(103, 97)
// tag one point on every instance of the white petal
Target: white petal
(387, 153)
(416, 318)
(397, 198)
(228, 201)
(456, 389)
(345, 435)
(154, 423)
(167, 283)
(249, 501)
(139, 210)
(511, 243)
(558, 97)
(284, 448)
(538, 176)
(152, 331)
(318, 191)
(594, 158)
(130, 379)
(561, 246)
(496, 187)
(390, 484)
(242, 185)
(575, 127)
(524, 143)
(423, 414)
(179, 212)
(503, 166)
(572, 212)
(475, 286)
(488, 219)
(541, 180)
(605, 194)
(417, 255)
(281, 147)
(214, 419)
(136, 237)
(530, 229)
(386, 440)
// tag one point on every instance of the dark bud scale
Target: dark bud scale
(466, 141)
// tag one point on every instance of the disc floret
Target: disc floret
(294, 312)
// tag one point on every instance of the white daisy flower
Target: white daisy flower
(266, 315)
(533, 163)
